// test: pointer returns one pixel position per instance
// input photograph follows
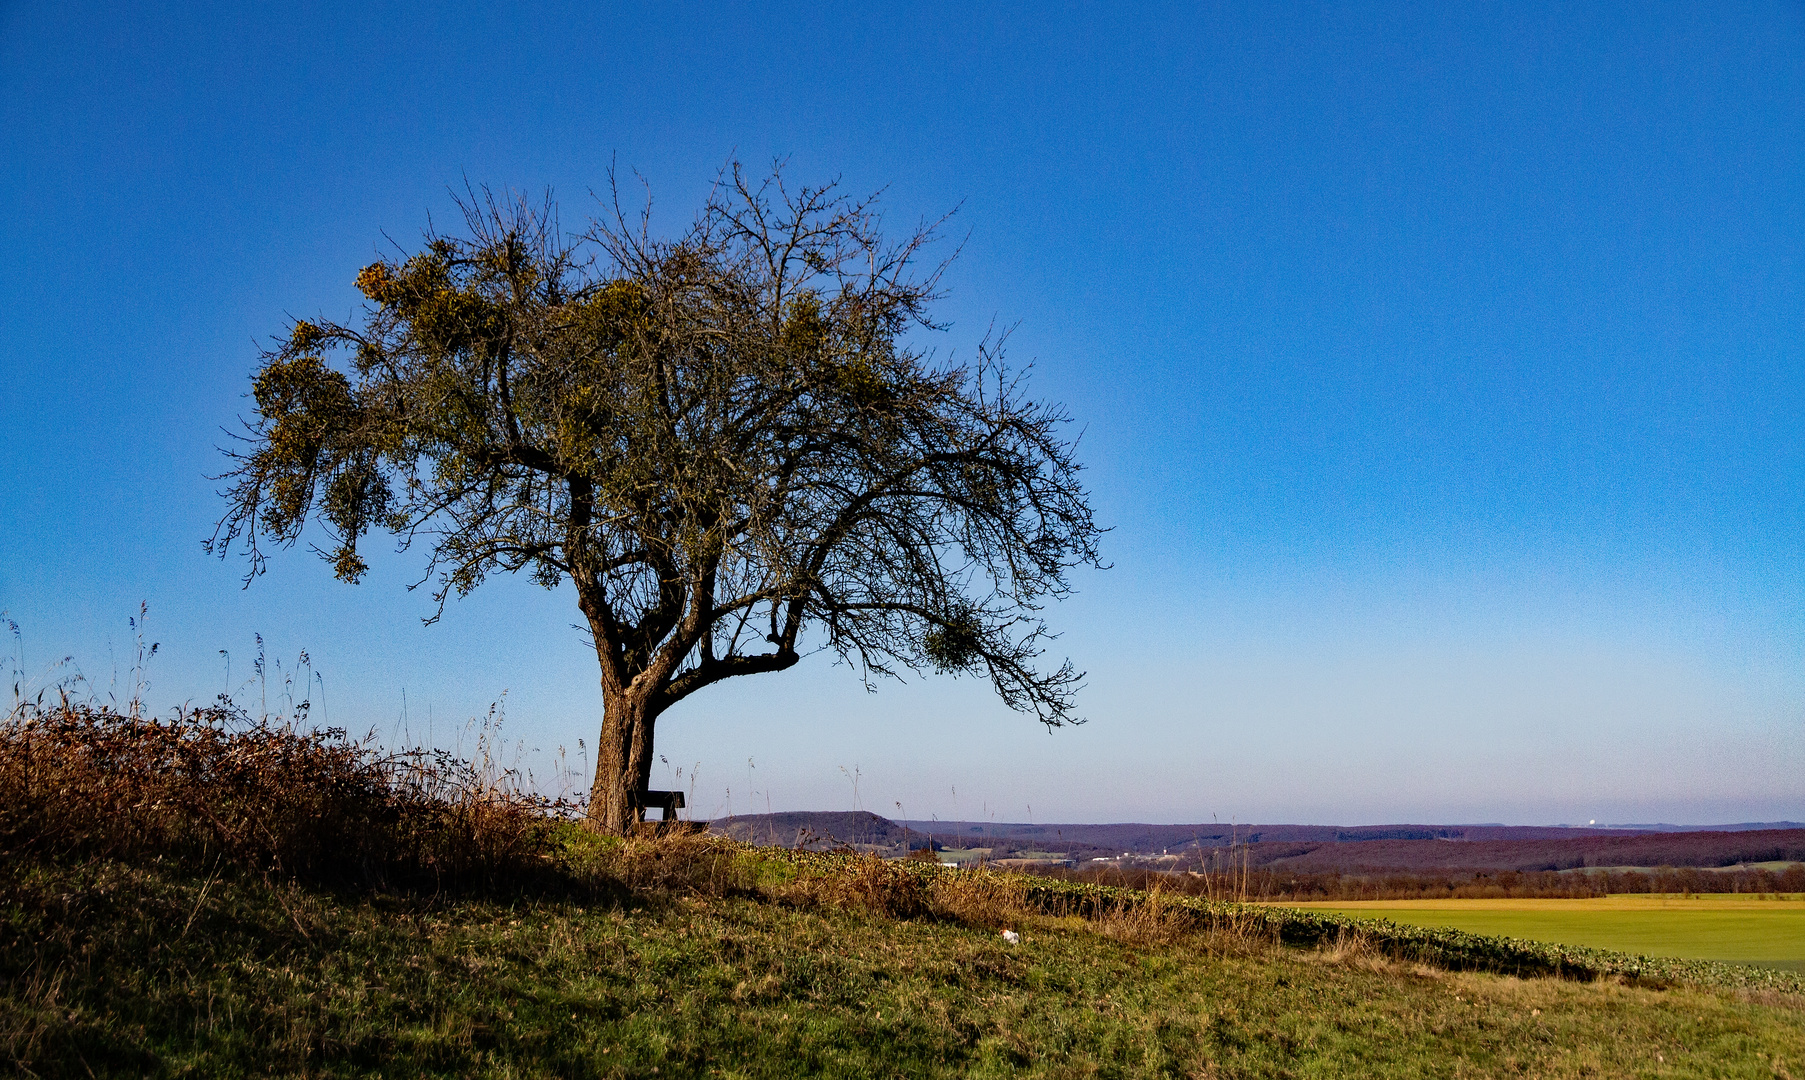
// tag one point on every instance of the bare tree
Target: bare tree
(724, 441)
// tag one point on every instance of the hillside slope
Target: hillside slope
(205, 895)
(111, 969)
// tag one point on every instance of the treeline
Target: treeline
(1299, 888)
(1692, 879)
(1544, 884)
(1370, 858)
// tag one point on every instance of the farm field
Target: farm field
(1739, 928)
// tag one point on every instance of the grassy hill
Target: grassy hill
(686, 959)
(189, 898)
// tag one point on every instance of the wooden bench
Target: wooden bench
(668, 801)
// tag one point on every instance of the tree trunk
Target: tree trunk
(623, 759)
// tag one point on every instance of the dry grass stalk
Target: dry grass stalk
(868, 883)
(980, 898)
(1351, 948)
(672, 862)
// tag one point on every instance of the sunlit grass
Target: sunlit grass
(167, 974)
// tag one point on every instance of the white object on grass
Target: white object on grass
(1012, 937)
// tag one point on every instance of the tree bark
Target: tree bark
(623, 760)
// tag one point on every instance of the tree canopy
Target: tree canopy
(729, 442)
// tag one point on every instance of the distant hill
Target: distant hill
(814, 829)
(1143, 839)
(1303, 848)
(1747, 826)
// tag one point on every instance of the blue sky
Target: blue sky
(1439, 368)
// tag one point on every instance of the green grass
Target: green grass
(1737, 928)
(123, 969)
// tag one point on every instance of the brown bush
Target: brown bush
(981, 898)
(210, 786)
(867, 882)
(673, 861)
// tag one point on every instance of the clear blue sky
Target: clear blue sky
(1440, 369)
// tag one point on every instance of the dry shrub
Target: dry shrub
(883, 888)
(1240, 930)
(210, 786)
(1163, 916)
(875, 885)
(980, 898)
(674, 861)
(1153, 918)
(1353, 948)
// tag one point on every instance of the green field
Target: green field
(1741, 929)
